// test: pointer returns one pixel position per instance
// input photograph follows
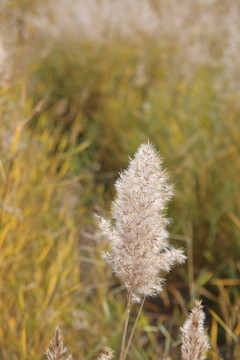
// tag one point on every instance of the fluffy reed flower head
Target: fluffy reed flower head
(194, 340)
(140, 250)
(57, 351)
(108, 355)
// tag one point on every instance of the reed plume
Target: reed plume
(57, 351)
(108, 355)
(138, 236)
(140, 251)
(194, 340)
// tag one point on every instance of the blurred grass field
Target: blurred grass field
(73, 109)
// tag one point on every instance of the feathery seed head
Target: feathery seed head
(108, 355)
(138, 237)
(194, 340)
(57, 351)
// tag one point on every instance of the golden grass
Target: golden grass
(39, 251)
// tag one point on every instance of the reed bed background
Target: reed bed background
(81, 87)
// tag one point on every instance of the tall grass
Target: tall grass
(40, 268)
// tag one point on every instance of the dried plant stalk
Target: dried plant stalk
(194, 340)
(57, 351)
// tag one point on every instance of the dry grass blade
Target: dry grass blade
(222, 323)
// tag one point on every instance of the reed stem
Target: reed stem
(133, 329)
(125, 327)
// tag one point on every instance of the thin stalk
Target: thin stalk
(125, 327)
(190, 263)
(133, 329)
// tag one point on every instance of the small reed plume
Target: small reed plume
(194, 340)
(138, 237)
(108, 355)
(57, 351)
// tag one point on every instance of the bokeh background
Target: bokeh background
(83, 84)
